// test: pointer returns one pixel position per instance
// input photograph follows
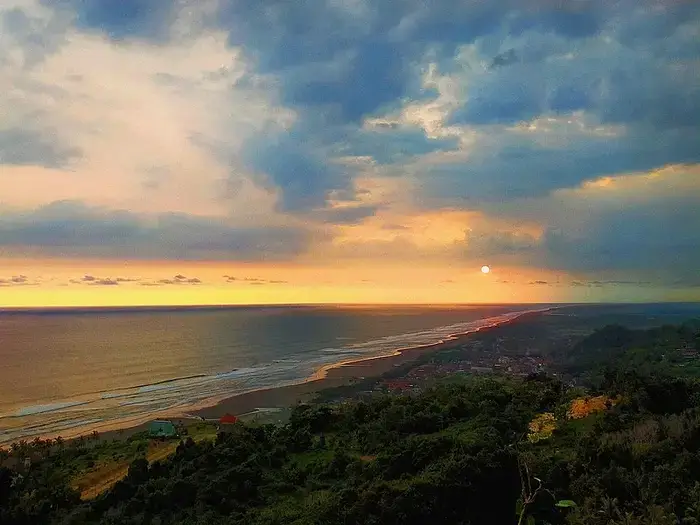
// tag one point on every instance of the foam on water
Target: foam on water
(179, 393)
(41, 409)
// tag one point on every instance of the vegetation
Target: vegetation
(484, 450)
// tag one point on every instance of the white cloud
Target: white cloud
(134, 108)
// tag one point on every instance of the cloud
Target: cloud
(167, 104)
(125, 18)
(91, 280)
(551, 120)
(176, 280)
(600, 284)
(345, 214)
(73, 229)
(250, 131)
(27, 147)
(644, 225)
(304, 175)
(252, 280)
(374, 45)
(18, 280)
(373, 61)
(505, 58)
(105, 282)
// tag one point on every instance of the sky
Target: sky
(348, 151)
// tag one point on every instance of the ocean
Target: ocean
(65, 372)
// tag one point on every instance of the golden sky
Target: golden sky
(195, 157)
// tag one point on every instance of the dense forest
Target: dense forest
(481, 450)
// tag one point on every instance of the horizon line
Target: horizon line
(64, 308)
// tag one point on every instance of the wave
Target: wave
(179, 393)
(41, 409)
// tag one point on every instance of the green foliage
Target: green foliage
(455, 454)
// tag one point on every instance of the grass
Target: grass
(100, 469)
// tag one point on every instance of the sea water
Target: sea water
(67, 371)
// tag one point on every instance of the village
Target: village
(476, 357)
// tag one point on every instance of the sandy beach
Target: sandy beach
(286, 396)
(333, 375)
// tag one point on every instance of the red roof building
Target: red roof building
(228, 419)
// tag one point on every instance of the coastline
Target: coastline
(279, 397)
(339, 374)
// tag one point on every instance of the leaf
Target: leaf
(565, 503)
(530, 520)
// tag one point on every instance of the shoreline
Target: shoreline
(285, 396)
(340, 374)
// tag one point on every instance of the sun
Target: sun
(485, 269)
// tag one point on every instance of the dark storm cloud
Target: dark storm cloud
(302, 162)
(624, 62)
(72, 228)
(304, 175)
(561, 61)
(650, 80)
(68, 224)
(522, 166)
(633, 237)
(388, 146)
(629, 64)
(664, 241)
(377, 43)
(374, 43)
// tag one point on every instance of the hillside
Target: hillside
(471, 450)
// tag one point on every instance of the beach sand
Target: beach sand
(286, 396)
(334, 375)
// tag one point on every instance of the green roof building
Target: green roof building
(162, 429)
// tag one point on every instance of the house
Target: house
(162, 429)
(227, 423)
(227, 419)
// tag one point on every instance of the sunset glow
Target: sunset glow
(206, 154)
